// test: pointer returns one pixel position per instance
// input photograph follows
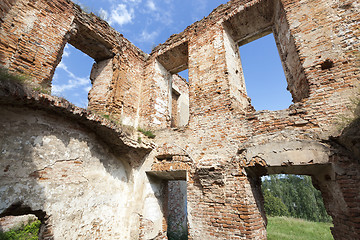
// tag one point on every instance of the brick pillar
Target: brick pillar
(223, 203)
(209, 90)
(340, 192)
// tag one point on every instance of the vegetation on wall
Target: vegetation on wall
(147, 133)
(24, 81)
(7, 75)
(27, 232)
(293, 196)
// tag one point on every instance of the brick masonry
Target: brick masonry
(224, 146)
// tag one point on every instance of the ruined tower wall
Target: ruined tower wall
(322, 82)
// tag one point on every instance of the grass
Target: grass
(354, 112)
(285, 228)
(27, 232)
(147, 133)
(7, 75)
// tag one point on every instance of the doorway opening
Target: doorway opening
(294, 207)
(177, 210)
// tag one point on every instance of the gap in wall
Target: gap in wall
(264, 75)
(177, 210)
(292, 199)
(180, 99)
(72, 76)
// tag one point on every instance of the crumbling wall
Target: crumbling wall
(33, 37)
(322, 83)
(31, 40)
(57, 167)
(226, 145)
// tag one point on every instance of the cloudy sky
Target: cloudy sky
(146, 23)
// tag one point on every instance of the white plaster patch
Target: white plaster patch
(152, 210)
(218, 42)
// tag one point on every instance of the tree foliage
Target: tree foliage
(297, 194)
(274, 206)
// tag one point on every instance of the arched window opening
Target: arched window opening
(21, 222)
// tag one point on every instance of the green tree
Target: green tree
(299, 196)
(273, 205)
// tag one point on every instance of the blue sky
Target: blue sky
(147, 23)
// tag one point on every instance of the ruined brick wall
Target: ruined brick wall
(72, 167)
(34, 34)
(226, 145)
(322, 79)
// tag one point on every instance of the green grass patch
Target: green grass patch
(147, 133)
(285, 228)
(27, 232)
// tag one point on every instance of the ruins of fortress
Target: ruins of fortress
(86, 176)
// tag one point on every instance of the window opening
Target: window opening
(291, 203)
(265, 80)
(180, 99)
(175, 109)
(72, 76)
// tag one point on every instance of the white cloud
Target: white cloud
(151, 5)
(121, 15)
(73, 82)
(148, 37)
(104, 14)
(87, 88)
(133, 1)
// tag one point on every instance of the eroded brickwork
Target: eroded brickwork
(224, 146)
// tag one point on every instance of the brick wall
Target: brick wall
(319, 47)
